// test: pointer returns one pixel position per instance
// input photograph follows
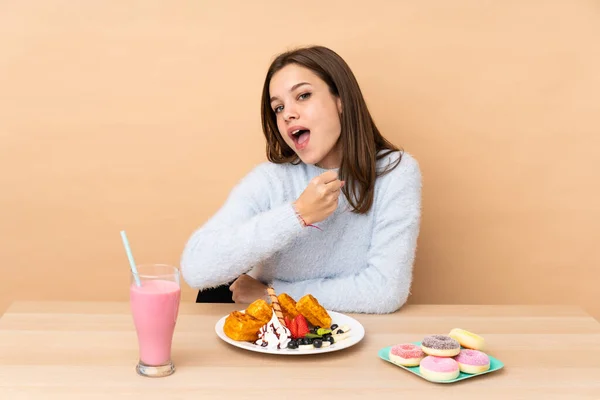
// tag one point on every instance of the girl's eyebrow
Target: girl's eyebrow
(296, 86)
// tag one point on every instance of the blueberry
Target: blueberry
(331, 339)
(326, 336)
(334, 326)
(306, 341)
(264, 344)
(317, 328)
(340, 331)
(292, 345)
(317, 343)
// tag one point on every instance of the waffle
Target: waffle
(288, 306)
(313, 311)
(260, 310)
(244, 326)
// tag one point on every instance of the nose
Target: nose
(290, 113)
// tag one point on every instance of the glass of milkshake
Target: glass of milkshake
(154, 299)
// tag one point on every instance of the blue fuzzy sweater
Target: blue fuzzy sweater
(357, 263)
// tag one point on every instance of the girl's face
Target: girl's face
(308, 115)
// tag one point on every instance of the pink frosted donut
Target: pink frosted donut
(438, 369)
(472, 361)
(406, 354)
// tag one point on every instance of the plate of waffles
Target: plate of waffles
(287, 327)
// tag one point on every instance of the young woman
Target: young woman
(335, 212)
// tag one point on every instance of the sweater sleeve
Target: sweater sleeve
(384, 284)
(240, 235)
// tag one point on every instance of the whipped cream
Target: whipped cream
(274, 335)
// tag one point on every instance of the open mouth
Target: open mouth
(300, 136)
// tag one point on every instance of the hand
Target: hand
(320, 198)
(246, 289)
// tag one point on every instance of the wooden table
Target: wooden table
(82, 350)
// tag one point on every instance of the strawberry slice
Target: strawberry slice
(301, 325)
(293, 327)
(288, 322)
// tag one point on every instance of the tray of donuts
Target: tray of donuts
(444, 358)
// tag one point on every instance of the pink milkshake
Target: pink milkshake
(155, 305)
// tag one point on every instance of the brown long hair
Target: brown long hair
(362, 143)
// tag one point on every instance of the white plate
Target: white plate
(357, 332)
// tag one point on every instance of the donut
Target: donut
(439, 369)
(472, 361)
(406, 354)
(467, 339)
(440, 346)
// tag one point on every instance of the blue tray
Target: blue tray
(495, 365)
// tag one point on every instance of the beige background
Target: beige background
(138, 116)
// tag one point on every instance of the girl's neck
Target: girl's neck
(332, 160)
